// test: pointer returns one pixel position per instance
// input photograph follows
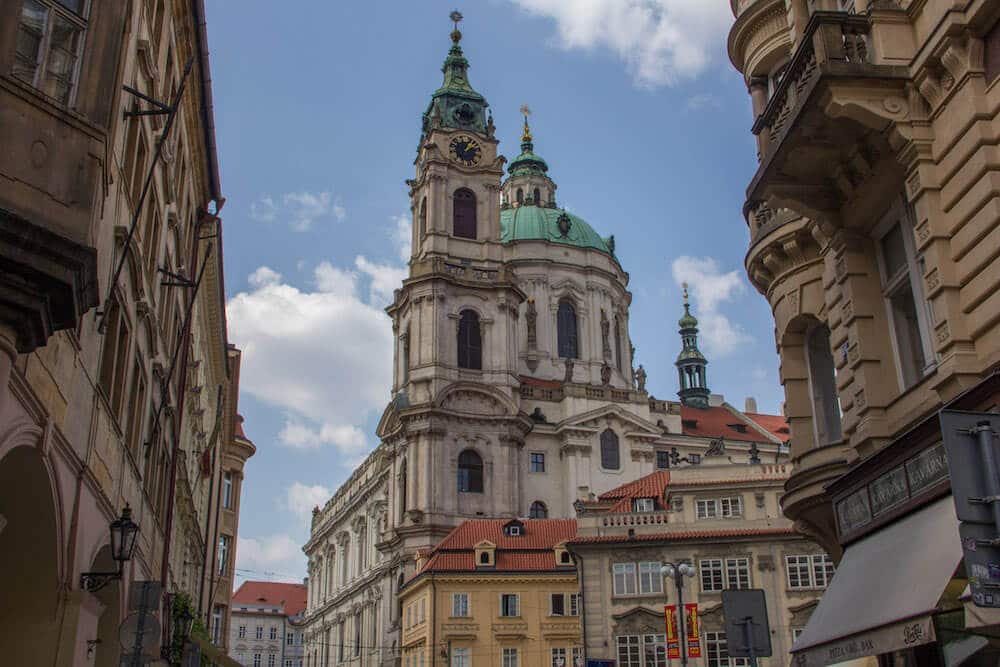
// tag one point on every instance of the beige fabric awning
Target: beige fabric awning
(885, 589)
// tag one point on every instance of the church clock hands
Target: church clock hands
(465, 150)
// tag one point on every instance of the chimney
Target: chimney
(751, 405)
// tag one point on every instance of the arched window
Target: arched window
(484, 558)
(538, 510)
(520, 196)
(470, 344)
(422, 218)
(566, 320)
(610, 456)
(470, 472)
(537, 197)
(823, 386)
(464, 213)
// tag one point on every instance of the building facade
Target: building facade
(873, 220)
(266, 628)
(720, 517)
(514, 391)
(495, 592)
(115, 383)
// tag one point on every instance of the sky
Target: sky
(643, 122)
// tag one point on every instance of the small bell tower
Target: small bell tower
(691, 363)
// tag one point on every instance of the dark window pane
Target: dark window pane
(610, 459)
(567, 331)
(470, 472)
(538, 510)
(464, 214)
(470, 346)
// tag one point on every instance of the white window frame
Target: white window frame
(627, 572)
(557, 653)
(632, 646)
(242, 632)
(517, 605)
(460, 657)
(650, 579)
(658, 645)
(460, 605)
(717, 644)
(509, 657)
(574, 605)
(722, 570)
(227, 490)
(273, 633)
(813, 571)
(706, 508)
(80, 21)
(643, 505)
(901, 214)
(731, 507)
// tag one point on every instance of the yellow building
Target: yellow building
(497, 592)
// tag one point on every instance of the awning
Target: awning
(885, 589)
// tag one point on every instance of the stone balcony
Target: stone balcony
(806, 501)
(823, 135)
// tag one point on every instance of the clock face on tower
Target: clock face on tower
(465, 150)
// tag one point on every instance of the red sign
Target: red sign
(673, 641)
(693, 630)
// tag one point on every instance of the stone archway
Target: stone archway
(29, 555)
(107, 650)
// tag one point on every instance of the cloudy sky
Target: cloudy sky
(642, 119)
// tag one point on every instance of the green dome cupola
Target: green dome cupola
(691, 363)
(456, 105)
(528, 183)
(527, 163)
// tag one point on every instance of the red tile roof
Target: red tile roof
(716, 422)
(649, 486)
(290, 597)
(684, 535)
(533, 551)
(773, 424)
(537, 382)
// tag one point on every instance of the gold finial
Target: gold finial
(526, 134)
(685, 286)
(455, 17)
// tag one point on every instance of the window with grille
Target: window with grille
(577, 656)
(624, 578)
(574, 604)
(470, 472)
(628, 651)
(459, 657)
(566, 326)
(538, 510)
(717, 652)
(650, 580)
(509, 604)
(808, 571)
(242, 632)
(47, 46)
(274, 633)
(260, 632)
(662, 459)
(731, 507)
(655, 650)
(537, 462)
(508, 657)
(470, 343)
(558, 657)
(706, 508)
(718, 574)
(643, 505)
(460, 604)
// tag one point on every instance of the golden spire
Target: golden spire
(526, 134)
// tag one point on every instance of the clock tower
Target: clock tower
(455, 412)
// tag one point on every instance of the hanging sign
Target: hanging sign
(693, 628)
(673, 641)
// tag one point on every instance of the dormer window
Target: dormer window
(690, 423)
(514, 529)
(643, 505)
(739, 428)
(485, 554)
(484, 558)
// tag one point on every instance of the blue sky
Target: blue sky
(645, 126)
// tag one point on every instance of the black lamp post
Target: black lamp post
(677, 573)
(124, 532)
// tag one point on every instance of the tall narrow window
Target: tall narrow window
(823, 386)
(48, 45)
(537, 196)
(538, 510)
(520, 196)
(470, 346)
(610, 456)
(224, 544)
(470, 472)
(405, 354)
(566, 324)
(422, 218)
(618, 344)
(217, 616)
(137, 410)
(905, 305)
(402, 490)
(114, 357)
(464, 213)
(227, 490)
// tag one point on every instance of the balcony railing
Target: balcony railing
(636, 519)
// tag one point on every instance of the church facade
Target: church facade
(514, 389)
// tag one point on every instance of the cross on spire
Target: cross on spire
(526, 134)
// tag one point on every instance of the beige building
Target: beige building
(874, 224)
(116, 390)
(723, 519)
(266, 624)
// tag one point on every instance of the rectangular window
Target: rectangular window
(270, 660)
(459, 657)
(711, 571)
(574, 604)
(650, 580)
(509, 604)
(706, 508)
(289, 638)
(676, 503)
(136, 410)
(798, 572)
(624, 578)
(274, 633)
(628, 651)
(558, 657)
(114, 357)
(537, 462)
(242, 633)
(224, 543)
(256, 660)
(796, 632)
(906, 308)
(731, 507)
(357, 634)
(288, 662)
(738, 573)
(260, 632)
(423, 609)
(822, 566)
(460, 604)
(217, 616)
(643, 505)
(717, 652)
(662, 459)
(227, 490)
(557, 604)
(341, 632)
(509, 657)
(577, 656)
(47, 47)
(654, 649)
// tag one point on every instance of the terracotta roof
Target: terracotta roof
(774, 424)
(290, 597)
(533, 551)
(239, 428)
(648, 486)
(684, 535)
(537, 382)
(719, 422)
(538, 534)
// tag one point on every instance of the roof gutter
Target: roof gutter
(207, 107)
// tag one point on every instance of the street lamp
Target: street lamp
(677, 572)
(124, 532)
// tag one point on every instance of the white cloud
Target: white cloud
(275, 557)
(347, 438)
(401, 235)
(710, 290)
(661, 41)
(301, 499)
(703, 101)
(384, 279)
(264, 276)
(299, 209)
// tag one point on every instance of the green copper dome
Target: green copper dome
(527, 163)
(456, 104)
(535, 223)
(687, 320)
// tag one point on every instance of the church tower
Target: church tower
(454, 423)
(691, 362)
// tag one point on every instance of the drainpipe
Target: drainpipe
(434, 623)
(578, 560)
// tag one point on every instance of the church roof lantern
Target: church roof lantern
(527, 163)
(456, 104)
